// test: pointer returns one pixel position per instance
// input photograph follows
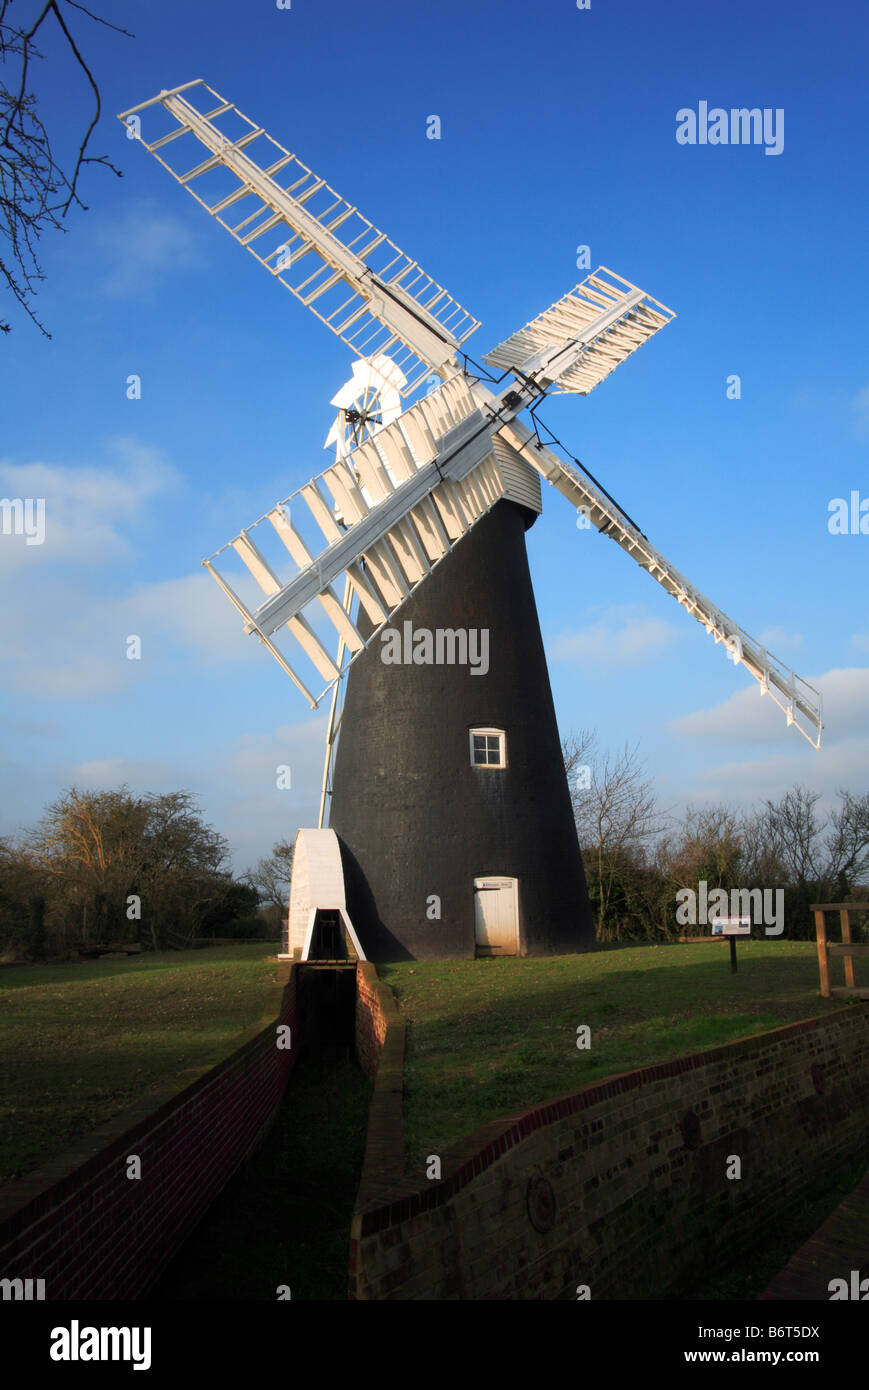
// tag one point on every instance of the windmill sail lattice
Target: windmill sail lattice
(449, 472)
(347, 272)
(386, 513)
(584, 336)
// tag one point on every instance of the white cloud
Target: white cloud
(860, 407)
(254, 811)
(621, 636)
(842, 761)
(81, 652)
(778, 639)
(743, 716)
(251, 764)
(844, 764)
(31, 728)
(84, 507)
(746, 717)
(191, 612)
(141, 247)
(142, 773)
(61, 636)
(236, 783)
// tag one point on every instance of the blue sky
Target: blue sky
(557, 130)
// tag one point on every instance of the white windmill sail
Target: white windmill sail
(347, 272)
(585, 335)
(405, 497)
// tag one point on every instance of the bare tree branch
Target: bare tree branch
(617, 817)
(271, 876)
(35, 192)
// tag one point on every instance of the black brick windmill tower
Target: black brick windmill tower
(451, 830)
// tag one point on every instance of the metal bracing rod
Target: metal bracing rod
(332, 727)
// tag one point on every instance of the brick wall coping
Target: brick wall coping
(385, 1203)
(23, 1201)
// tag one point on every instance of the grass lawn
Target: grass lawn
(79, 1043)
(488, 1037)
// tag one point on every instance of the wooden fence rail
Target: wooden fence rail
(846, 949)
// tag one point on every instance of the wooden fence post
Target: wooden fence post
(846, 941)
(823, 968)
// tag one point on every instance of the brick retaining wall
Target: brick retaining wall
(371, 1009)
(91, 1232)
(380, 1037)
(622, 1185)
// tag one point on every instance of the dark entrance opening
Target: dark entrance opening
(327, 1005)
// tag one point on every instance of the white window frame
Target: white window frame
(501, 735)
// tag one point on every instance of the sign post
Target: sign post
(732, 927)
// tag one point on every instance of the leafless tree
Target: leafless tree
(818, 856)
(708, 845)
(271, 877)
(637, 855)
(848, 842)
(577, 751)
(794, 828)
(35, 191)
(763, 861)
(617, 817)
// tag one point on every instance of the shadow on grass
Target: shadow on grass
(78, 1044)
(488, 1038)
(67, 973)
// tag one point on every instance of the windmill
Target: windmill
(451, 828)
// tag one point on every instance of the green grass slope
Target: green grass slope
(487, 1037)
(80, 1043)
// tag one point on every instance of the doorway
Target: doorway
(496, 916)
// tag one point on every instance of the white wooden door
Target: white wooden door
(496, 916)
